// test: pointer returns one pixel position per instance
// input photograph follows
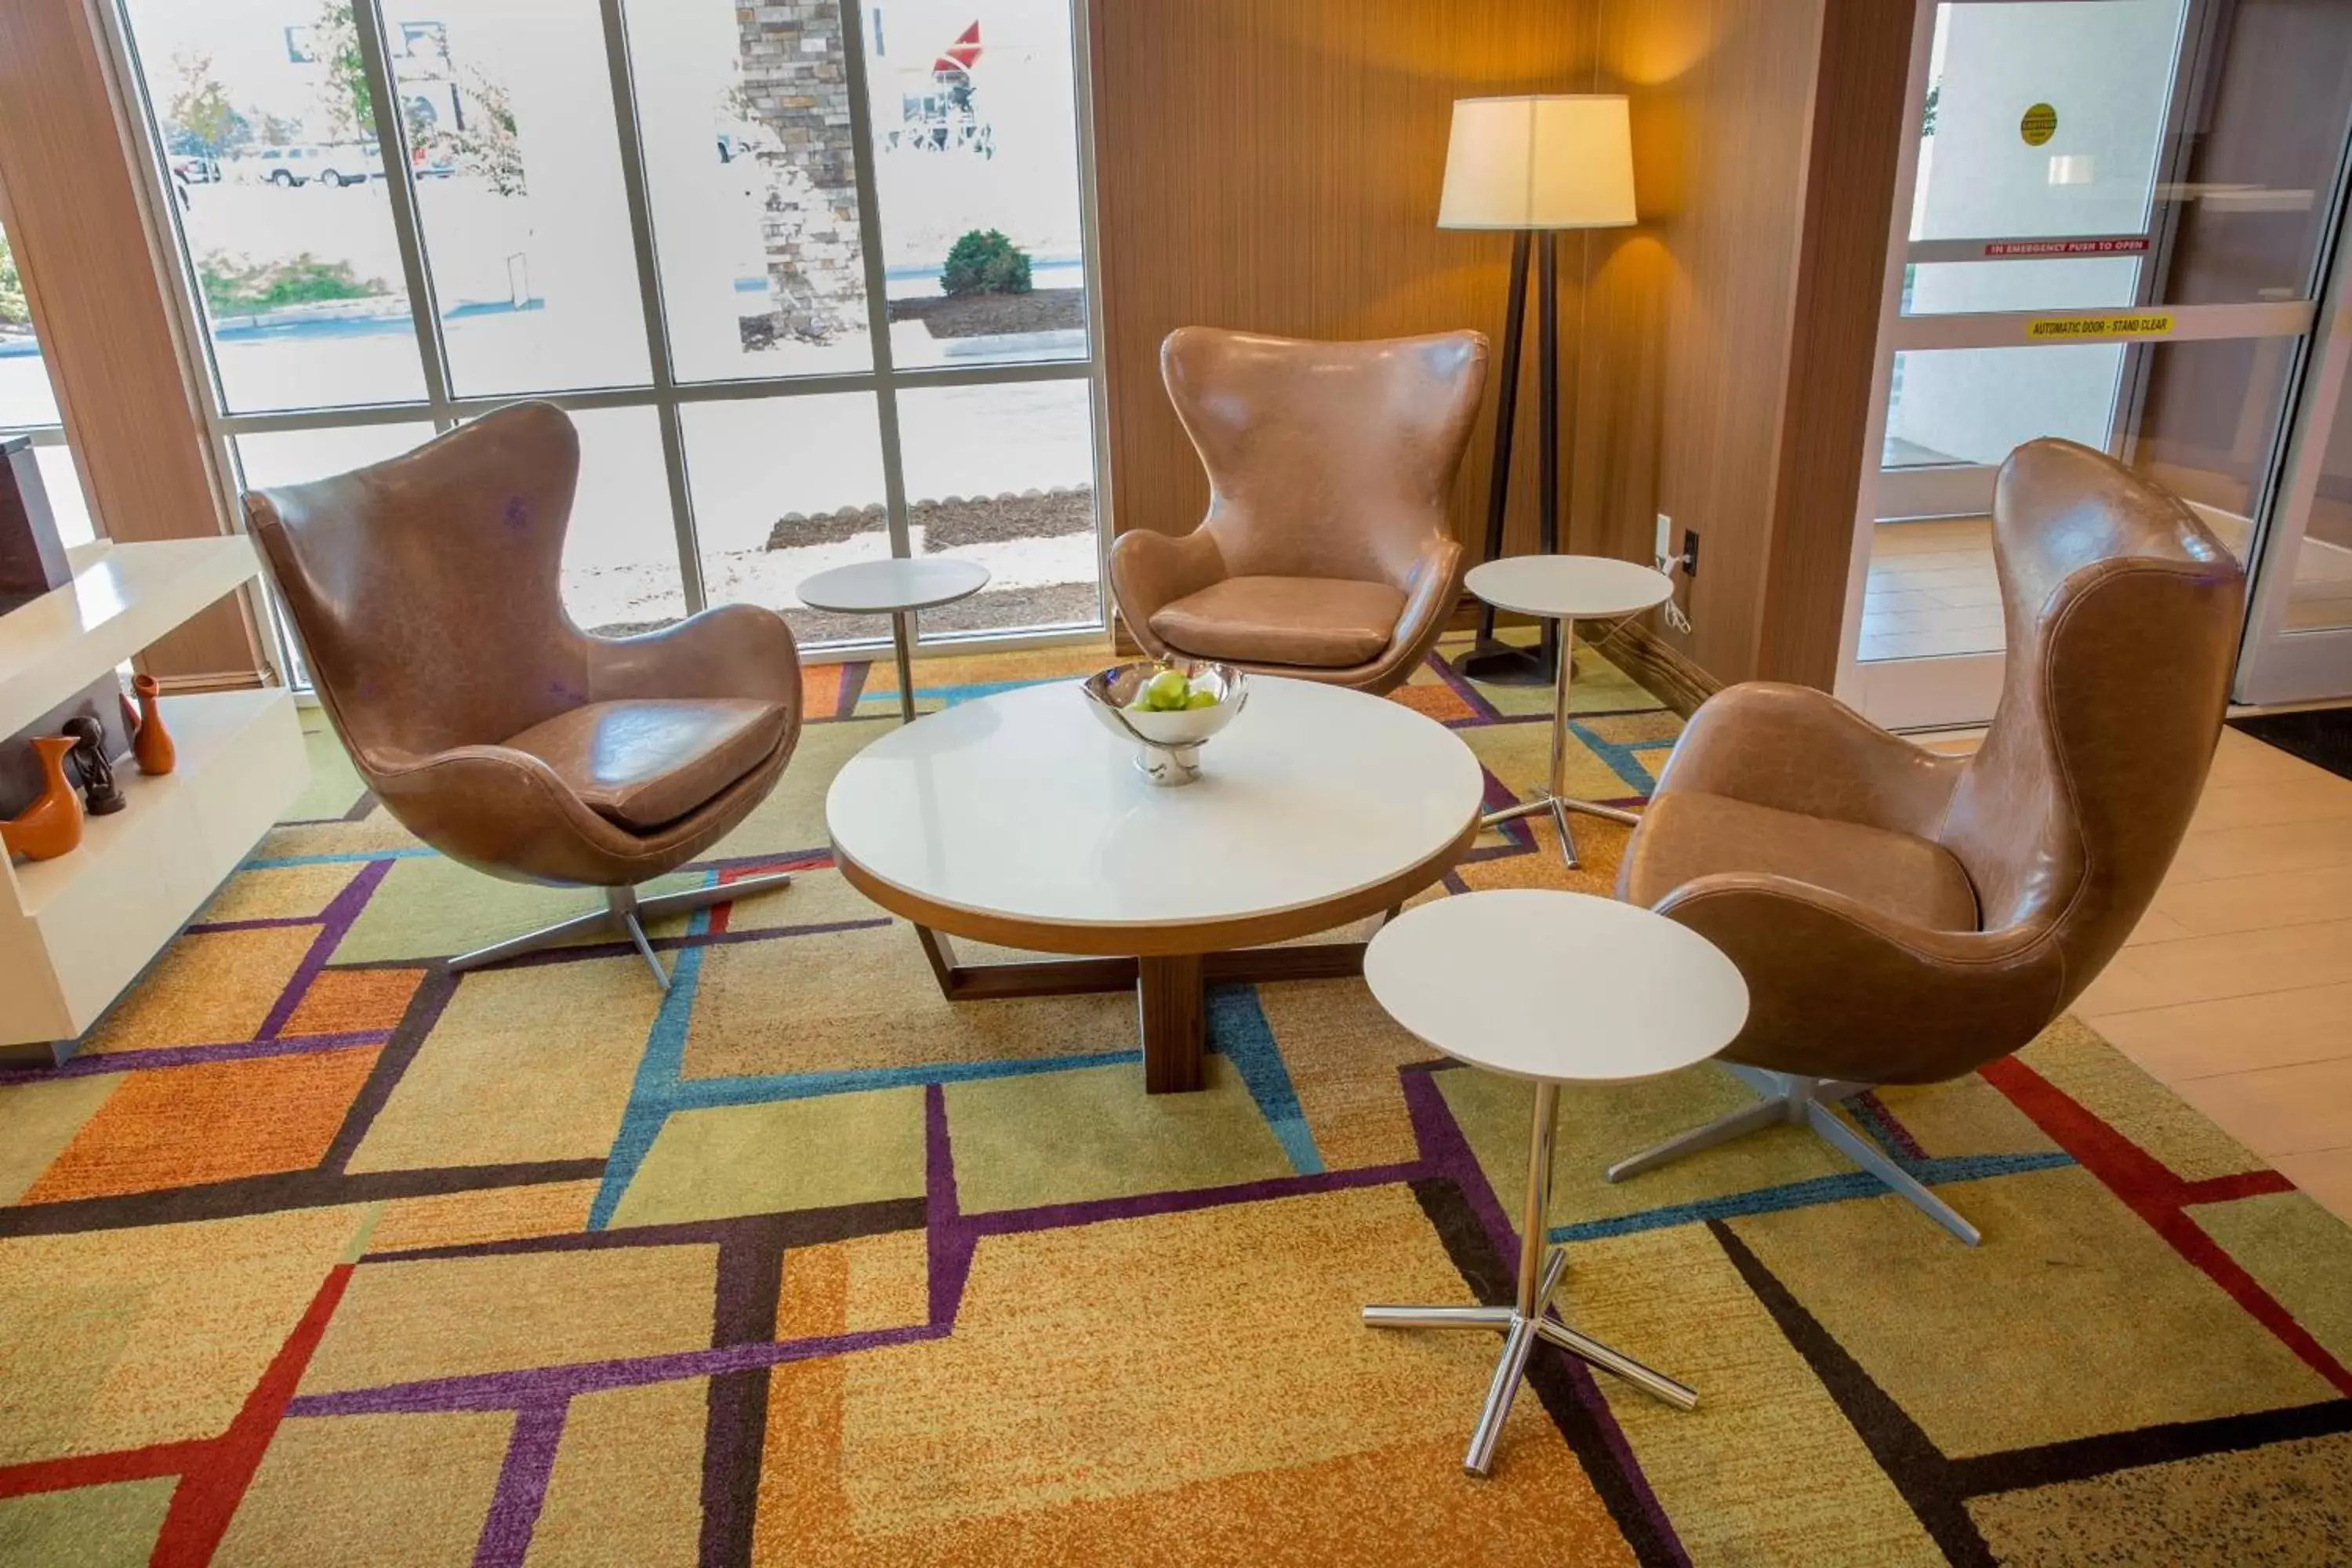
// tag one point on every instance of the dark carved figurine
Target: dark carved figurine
(98, 791)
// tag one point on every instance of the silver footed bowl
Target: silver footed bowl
(1167, 745)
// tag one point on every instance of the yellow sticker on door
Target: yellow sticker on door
(2039, 123)
(2079, 327)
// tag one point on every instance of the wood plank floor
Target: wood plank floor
(2236, 990)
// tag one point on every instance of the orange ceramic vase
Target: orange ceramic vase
(51, 826)
(150, 743)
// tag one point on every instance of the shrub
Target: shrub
(234, 288)
(985, 262)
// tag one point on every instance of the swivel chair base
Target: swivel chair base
(1806, 1101)
(626, 913)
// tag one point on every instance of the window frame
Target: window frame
(663, 392)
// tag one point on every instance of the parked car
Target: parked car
(282, 166)
(194, 170)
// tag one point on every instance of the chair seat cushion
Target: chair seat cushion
(1686, 835)
(1325, 623)
(641, 764)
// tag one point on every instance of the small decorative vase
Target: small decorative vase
(51, 826)
(150, 743)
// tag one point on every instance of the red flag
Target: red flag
(962, 55)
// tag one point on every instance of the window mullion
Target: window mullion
(877, 302)
(391, 150)
(649, 291)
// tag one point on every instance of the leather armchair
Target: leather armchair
(1325, 554)
(1905, 918)
(426, 593)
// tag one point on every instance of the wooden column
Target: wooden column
(1857, 132)
(99, 283)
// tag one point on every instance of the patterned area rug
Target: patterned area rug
(321, 1254)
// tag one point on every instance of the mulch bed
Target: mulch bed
(990, 315)
(954, 522)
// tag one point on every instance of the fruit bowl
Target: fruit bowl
(1167, 743)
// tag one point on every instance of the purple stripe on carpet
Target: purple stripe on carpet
(334, 922)
(522, 1485)
(196, 1056)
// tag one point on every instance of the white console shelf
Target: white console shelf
(77, 930)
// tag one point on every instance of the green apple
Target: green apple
(1201, 699)
(1166, 691)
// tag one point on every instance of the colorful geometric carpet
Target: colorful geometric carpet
(321, 1254)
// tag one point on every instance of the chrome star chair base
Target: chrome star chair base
(624, 913)
(1555, 797)
(1525, 1321)
(1805, 1102)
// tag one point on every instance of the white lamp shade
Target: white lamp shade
(1556, 161)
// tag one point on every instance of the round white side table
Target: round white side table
(1567, 589)
(896, 587)
(1559, 988)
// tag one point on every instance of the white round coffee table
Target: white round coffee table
(1567, 589)
(897, 587)
(1018, 820)
(1559, 988)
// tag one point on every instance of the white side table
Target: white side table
(1560, 988)
(896, 587)
(1567, 589)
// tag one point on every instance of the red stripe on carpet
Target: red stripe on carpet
(212, 1485)
(97, 1470)
(2162, 1199)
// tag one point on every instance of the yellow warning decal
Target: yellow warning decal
(2101, 327)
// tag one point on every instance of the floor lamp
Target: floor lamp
(1534, 165)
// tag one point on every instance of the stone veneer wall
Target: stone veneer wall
(795, 81)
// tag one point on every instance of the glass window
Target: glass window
(620, 555)
(2321, 595)
(1005, 476)
(298, 456)
(2045, 118)
(975, 152)
(785, 488)
(2198, 419)
(28, 403)
(749, 125)
(1976, 406)
(277, 183)
(508, 107)
(751, 173)
(26, 399)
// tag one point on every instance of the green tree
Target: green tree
(14, 311)
(489, 146)
(349, 102)
(985, 262)
(199, 118)
(275, 131)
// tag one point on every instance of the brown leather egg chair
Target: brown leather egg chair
(1903, 917)
(426, 593)
(1325, 554)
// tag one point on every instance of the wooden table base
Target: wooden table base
(1171, 1006)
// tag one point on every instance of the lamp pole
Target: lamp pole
(1488, 660)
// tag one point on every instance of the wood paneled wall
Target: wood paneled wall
(1729, 340)
(1273, 165)
(94, 278)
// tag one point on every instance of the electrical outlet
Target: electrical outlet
(1690, 553)
(1665, 541)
